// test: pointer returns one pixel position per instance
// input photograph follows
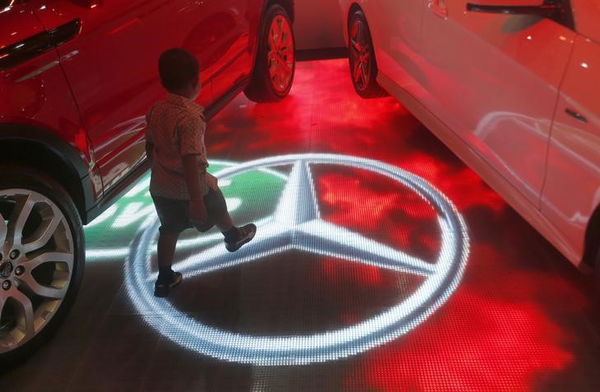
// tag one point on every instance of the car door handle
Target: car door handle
(439, 8)
(12, 55)
(578, 116)
(66, 32)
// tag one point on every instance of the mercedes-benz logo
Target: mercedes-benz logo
(297, 225)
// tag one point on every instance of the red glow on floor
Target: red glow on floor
(499, 331)
(381, 208)
(484, 339)
(499, 346)
(355, 204)
(464, 187)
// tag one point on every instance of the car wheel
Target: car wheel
(41, 259)
(361, 55)
(275, 63)
(597, 268)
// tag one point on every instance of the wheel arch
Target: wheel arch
(32, 147)
(354, 6)
(591, 253)
(288, 5)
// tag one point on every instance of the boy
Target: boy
(184, 194)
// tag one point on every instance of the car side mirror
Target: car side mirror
(550, 9)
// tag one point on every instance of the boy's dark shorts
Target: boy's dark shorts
(174, 214)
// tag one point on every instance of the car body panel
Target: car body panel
(34, 96)
(121, 43)
(489, 86)
(92, 92)
(232, 23)
(40, 98)
(572, 190)
(496, 64)
(399, 35)
(478, 163)
(112, 46)
(587, 18)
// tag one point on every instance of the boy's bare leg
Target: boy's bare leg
(165, 253)
(224, 222)
(234, 237)
(222, 219)
(166, 249)
(216, 208)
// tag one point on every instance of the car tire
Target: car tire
(43, 254)
(361, 57)
(597, 272)
(275, 63)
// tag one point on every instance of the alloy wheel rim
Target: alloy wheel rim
(36, 266)
(360, 54)
(280, 54)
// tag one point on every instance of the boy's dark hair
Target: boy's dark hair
(178, 68)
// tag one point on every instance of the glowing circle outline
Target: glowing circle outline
(104, 253)
(319, 347)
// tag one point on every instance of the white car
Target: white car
(511, 86)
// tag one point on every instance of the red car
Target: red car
(76, 79)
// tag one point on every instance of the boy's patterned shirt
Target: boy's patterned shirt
(175, 128)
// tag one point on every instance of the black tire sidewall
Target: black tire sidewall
(597, 273)
(34, 180)
(372, 89)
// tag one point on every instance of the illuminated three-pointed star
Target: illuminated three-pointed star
(297, 225)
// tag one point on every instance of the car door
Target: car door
(216, 31)
(228, 25)
(112, 73)
(572, 189)
(186, 24)
(493, 78)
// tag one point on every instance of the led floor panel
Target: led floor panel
(381, 263)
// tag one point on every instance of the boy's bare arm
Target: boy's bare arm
(194, 179)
